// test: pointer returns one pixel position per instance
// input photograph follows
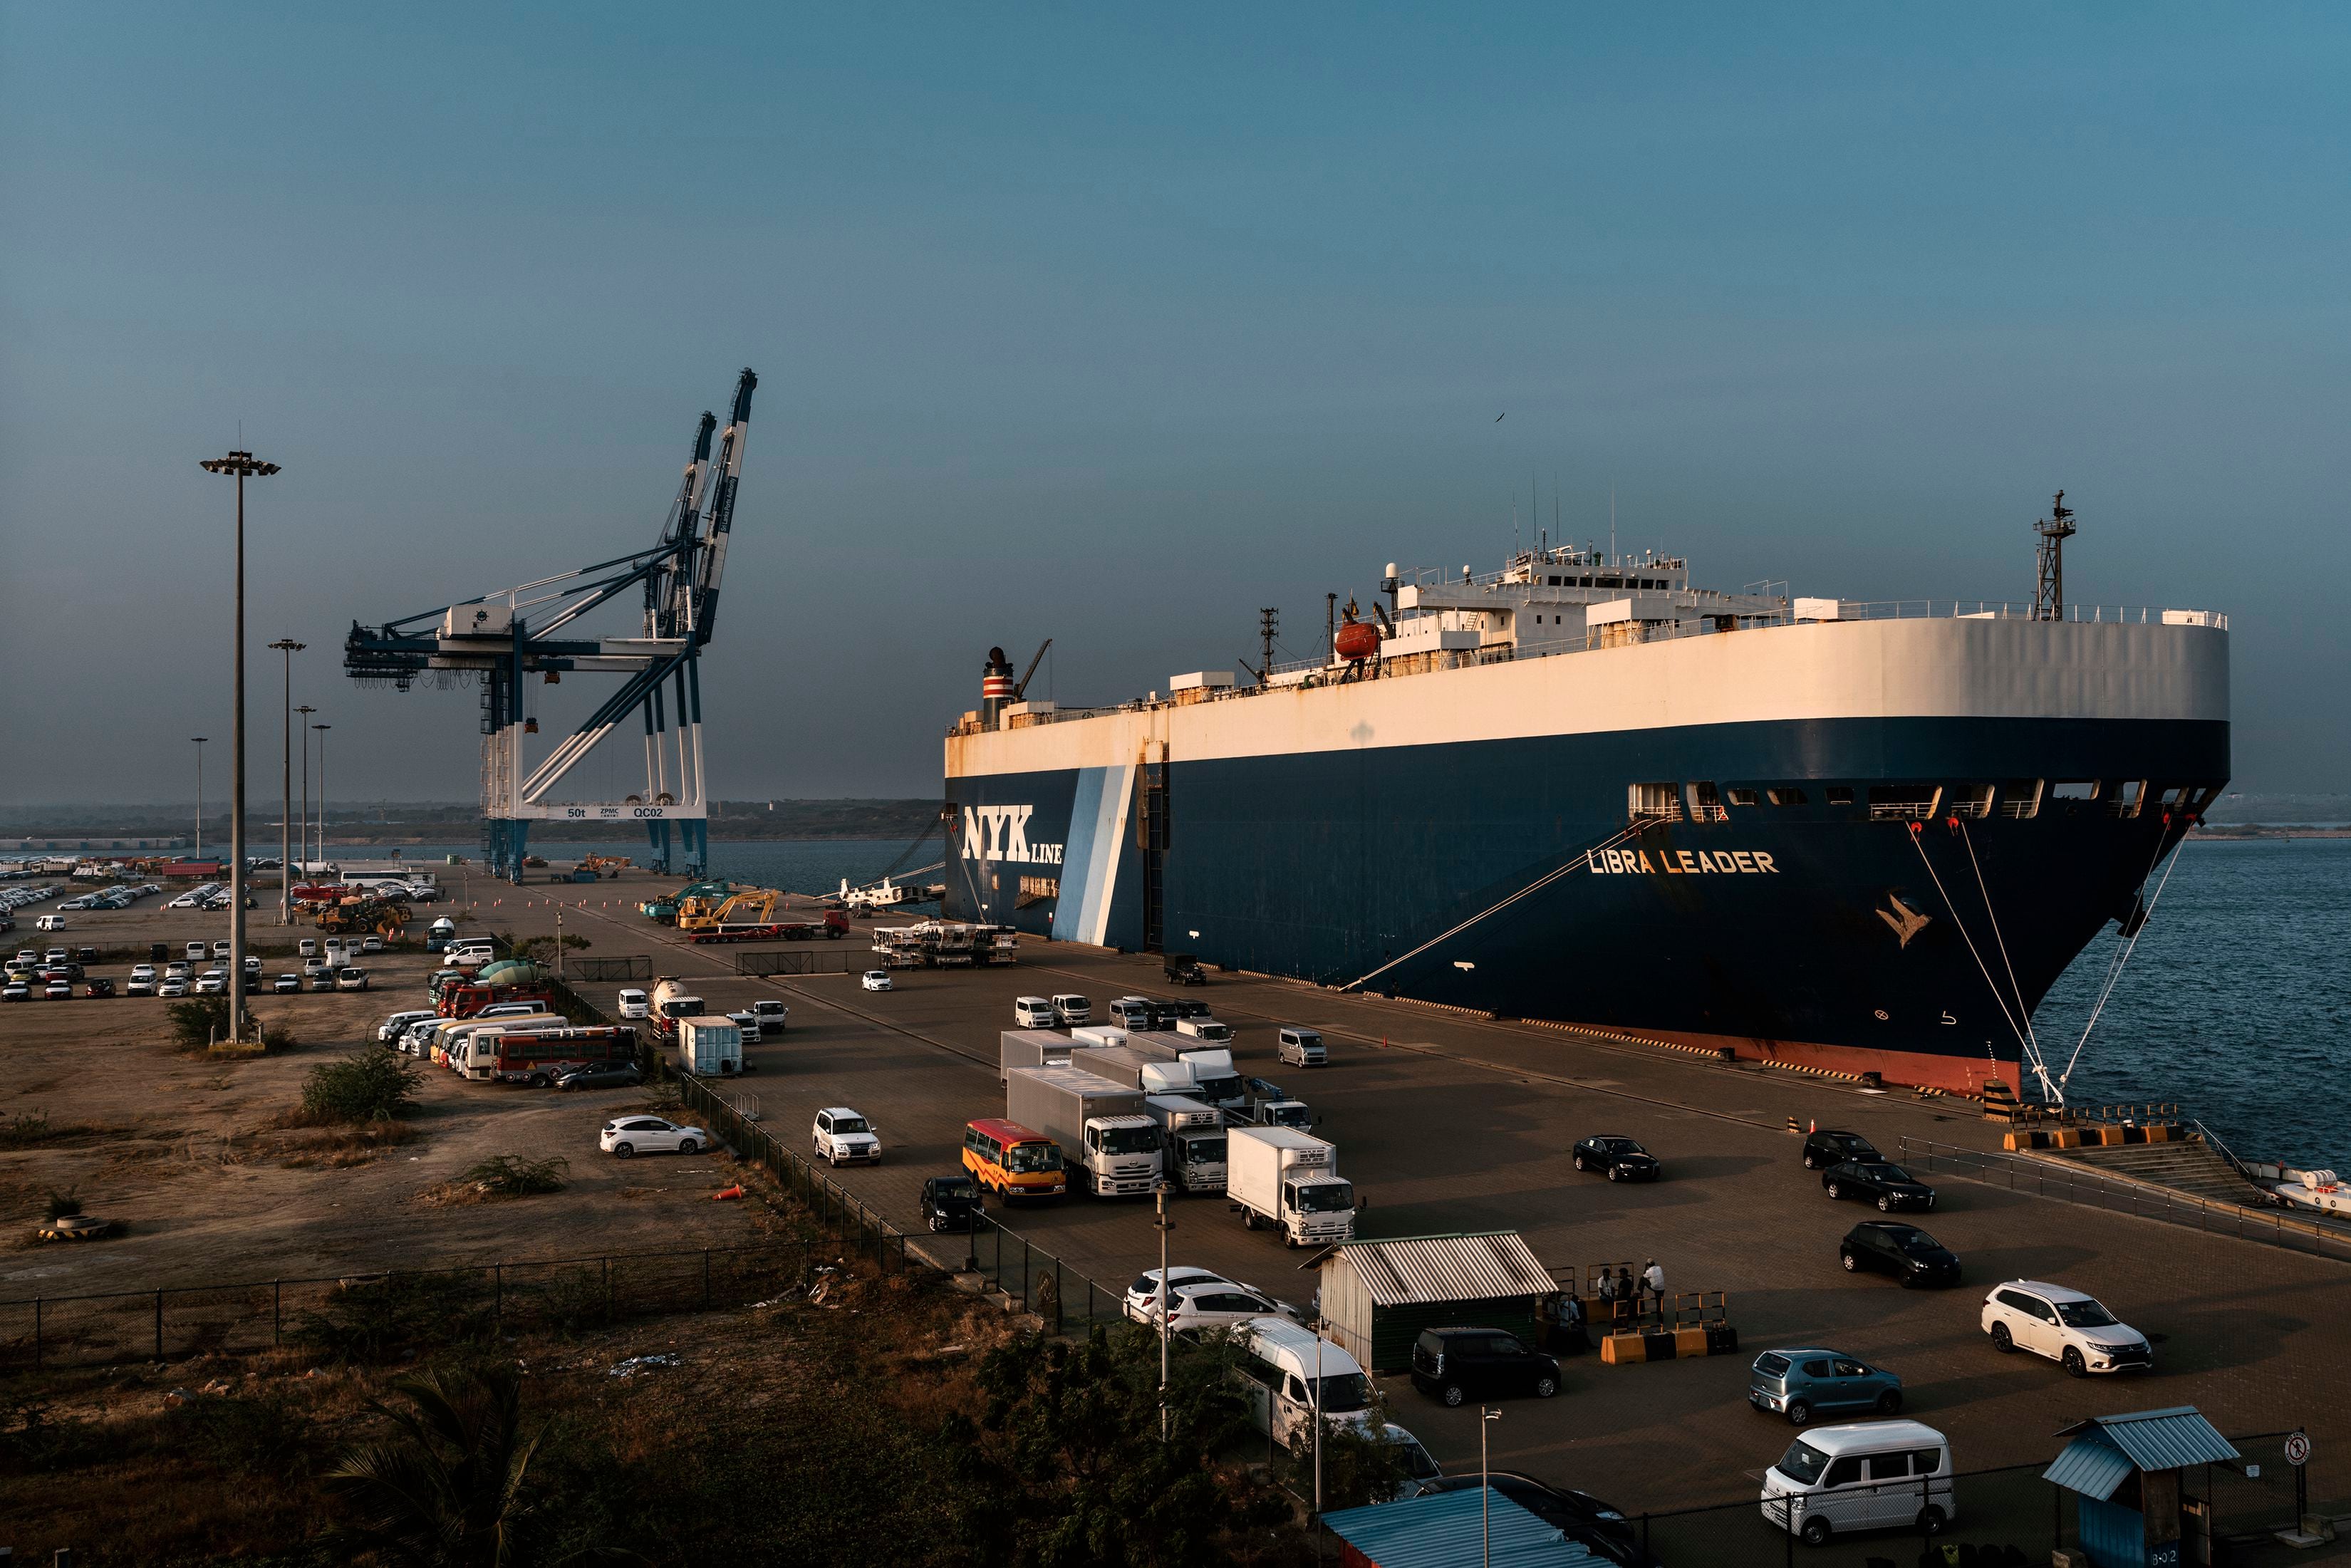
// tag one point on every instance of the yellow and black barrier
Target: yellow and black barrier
(1700, 1325)
(2091, 1137)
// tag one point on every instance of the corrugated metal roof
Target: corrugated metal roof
(1442, 1530)
(1477, 1267)
(2090, 1465)
(2160, 1440)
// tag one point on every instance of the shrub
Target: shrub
(372, 1084)
(25, 1129)
(266, 1434)
(63, 1205)
(200, 1020)
(508, 1176)
(382, 1319)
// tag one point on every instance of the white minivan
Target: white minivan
(1878, 1475)
(1302, 1047)
(1281, 1360)
(1073, 1010)
(1032, 1012)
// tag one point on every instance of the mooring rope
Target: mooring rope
(2033, 1040)
(1989, 984)
(2115, 973)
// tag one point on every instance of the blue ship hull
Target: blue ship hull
(1508, 876)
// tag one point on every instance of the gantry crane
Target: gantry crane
(503, 637)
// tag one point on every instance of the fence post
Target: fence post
(158, 1325)
(705, 1279)
(276, 1310)
(37, 1331)
(499, 1293)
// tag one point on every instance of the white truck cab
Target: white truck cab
(1206, 1030)
(1196, 1153)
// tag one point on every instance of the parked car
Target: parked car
(631, 1135)
(2065, 1326)
(1453, 1364)
(173, 986)
(285, 984)
(307, 948)
(602, 1075)
(220, 950)
(1887, 1184)
(57, 992)
(773, 1015)
(748, 1023)
(1301, 1047)
(951, 1202)
(16, 991)
(372, 942)
(1585, 1520)
(634, 1005)
(393, 1027)
(323, 980)
(1620, 1157)
(1143, 1296)
(213, 983)
(1801, 1384)
(1213, 1304)
(50, 922)
(840, 1133)
(141, 982)
(177, 969)
(1904, 1251)
(1069, 1010)
(100, 986)
(1825, 1148)
(876, 981)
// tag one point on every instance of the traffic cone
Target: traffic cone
(726, 1193)
(1814, 1125)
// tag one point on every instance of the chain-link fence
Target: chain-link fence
(361, 1313)
(628, 967)
(832, 958)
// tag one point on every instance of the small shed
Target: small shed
(1377, 1296)
(2125, 1472)
(1447, 1529)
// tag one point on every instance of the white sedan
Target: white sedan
(633, 1135)
(1214, 1305)
(875, 980)
(1143, 1296)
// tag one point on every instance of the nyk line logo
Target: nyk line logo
(1002, 833)
(1678, 862)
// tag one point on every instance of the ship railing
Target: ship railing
(2014, 609)
(1901, 811)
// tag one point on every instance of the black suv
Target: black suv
(1904, 1251)
(1825, 1149)
(1877, 1181)
(950, 1203)
(1621, 1158)
(1455, 1363)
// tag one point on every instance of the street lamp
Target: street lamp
(322, 729)
(1164, 1225)
(242, 465)
(1487, 1415)
(200, 740)
(288, 646)
(305, 711)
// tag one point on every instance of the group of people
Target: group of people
(1619, 1296)
(1621, 1286)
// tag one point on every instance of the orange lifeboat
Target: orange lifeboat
(1357, 639)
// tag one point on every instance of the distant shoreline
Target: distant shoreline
(2268, 831)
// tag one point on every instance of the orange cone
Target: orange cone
(1814, 1125)
(726, 1193)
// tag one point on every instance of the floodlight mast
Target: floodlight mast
(511, 633)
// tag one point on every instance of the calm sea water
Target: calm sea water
(2236, 1004)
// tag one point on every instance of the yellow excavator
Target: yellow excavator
(752, 906)
(386, 919)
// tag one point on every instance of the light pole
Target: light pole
(322, 729)
(1164, 1225)
(1487, 1415)
(288, 646)
(244, 466)
(200, 740)
(305, 712)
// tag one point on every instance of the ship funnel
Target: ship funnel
(994, 688)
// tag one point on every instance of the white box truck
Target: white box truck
(1289, 1180)
(1217, 1081)
(1195, 1155)
(1099, 1034)
(710, 1047)
(1204, 1031)
(1139, 1070)
(1108, 1145)
(1030, 1048)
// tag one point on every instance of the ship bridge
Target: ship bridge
(1548, 601)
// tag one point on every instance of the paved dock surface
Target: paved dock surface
(1447, 1121)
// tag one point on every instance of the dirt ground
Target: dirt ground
(179, 1149)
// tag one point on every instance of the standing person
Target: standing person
(1653, 1278)
(1628, 1295)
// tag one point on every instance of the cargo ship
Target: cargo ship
(1861, 838)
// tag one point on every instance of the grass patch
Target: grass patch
(390, 1317)
(57, 1205)
(372, 1084)
(500, 1176)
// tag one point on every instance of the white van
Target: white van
(1280, 1362)
(632, 1004)
(1073, 1010)
(1302, 1048)
(1032, 1012)
(1878, 1475)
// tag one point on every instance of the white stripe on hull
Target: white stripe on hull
(1867, 669)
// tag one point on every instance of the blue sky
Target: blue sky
(1116, 327)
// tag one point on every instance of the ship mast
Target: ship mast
(2049, 589)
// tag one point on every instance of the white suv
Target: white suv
(840, 1133)
(2068, 1327)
